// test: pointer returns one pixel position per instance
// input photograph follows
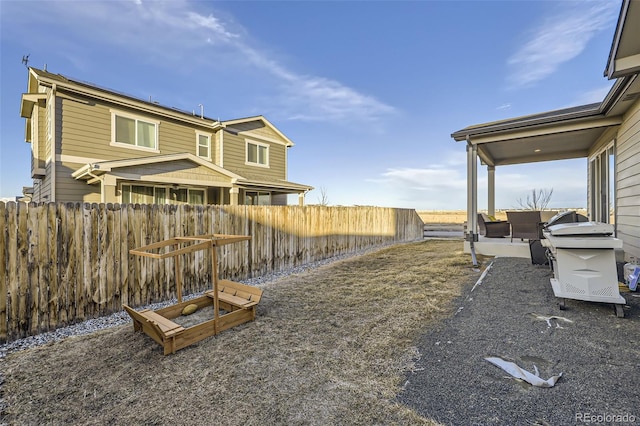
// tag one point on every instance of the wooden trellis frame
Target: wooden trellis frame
(239, 300)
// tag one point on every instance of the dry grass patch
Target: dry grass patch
(329, 346)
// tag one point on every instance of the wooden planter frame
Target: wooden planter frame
(239, 300)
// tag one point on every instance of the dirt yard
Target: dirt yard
(331, 345)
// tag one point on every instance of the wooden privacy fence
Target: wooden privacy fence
(64, 263)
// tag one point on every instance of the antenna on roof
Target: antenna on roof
(25, 60)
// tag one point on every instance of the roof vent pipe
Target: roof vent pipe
(201, 110)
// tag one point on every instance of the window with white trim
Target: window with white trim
(203, 145)
(257, 154)
(602, 169)
(133, 131)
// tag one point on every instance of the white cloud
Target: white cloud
(444, 186)
(592, 96)
(559, 39)
(433, 187)
(177, 34)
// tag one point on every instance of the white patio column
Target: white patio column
(301, 199)
(472, 192)
(491, 196)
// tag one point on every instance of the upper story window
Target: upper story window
(257, 154)
(133, 131)
(203, 145)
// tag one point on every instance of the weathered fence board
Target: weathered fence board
(3, 270)
(64, 263)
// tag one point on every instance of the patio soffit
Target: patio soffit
(554, 135)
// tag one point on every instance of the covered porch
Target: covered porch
(578, 132)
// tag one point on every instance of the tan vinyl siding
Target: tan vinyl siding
(176, 138)
(86, 132)
(175, 171)
(44, 185)
(69, 189)
(235, 157)
(215, 148)
(628, 181)
(42, 135)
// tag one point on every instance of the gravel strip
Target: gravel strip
(513, 314)
(120, 318)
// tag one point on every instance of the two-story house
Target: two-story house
(90, 144)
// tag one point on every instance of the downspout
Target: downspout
(53, 143)
(222, 147)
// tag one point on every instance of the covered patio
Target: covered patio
(587, 131)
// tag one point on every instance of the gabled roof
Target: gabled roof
(230, 123)
(92, 170)
(552, 135)
(624, 57)
(102, 167)
(92, 90)
(578, 112)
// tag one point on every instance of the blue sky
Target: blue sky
(369, 92)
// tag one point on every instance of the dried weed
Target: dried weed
(329, 346)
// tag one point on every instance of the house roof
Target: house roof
(89, 89)
(102, 167)
(569, 132)
(92, 171)
(228, 124)
(624, 57)
(279, 184)
(552, 135)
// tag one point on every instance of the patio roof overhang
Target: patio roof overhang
(283, 186)
(554, 135)
(624, 57)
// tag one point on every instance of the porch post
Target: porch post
(472, 192)
(491, 183)
(233, 196)
(301, 199)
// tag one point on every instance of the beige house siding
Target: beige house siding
(86, 132)
(44, 185)
(179, 172)
(42, 135)
(72, 190)
(628, 181)
(235, 156)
